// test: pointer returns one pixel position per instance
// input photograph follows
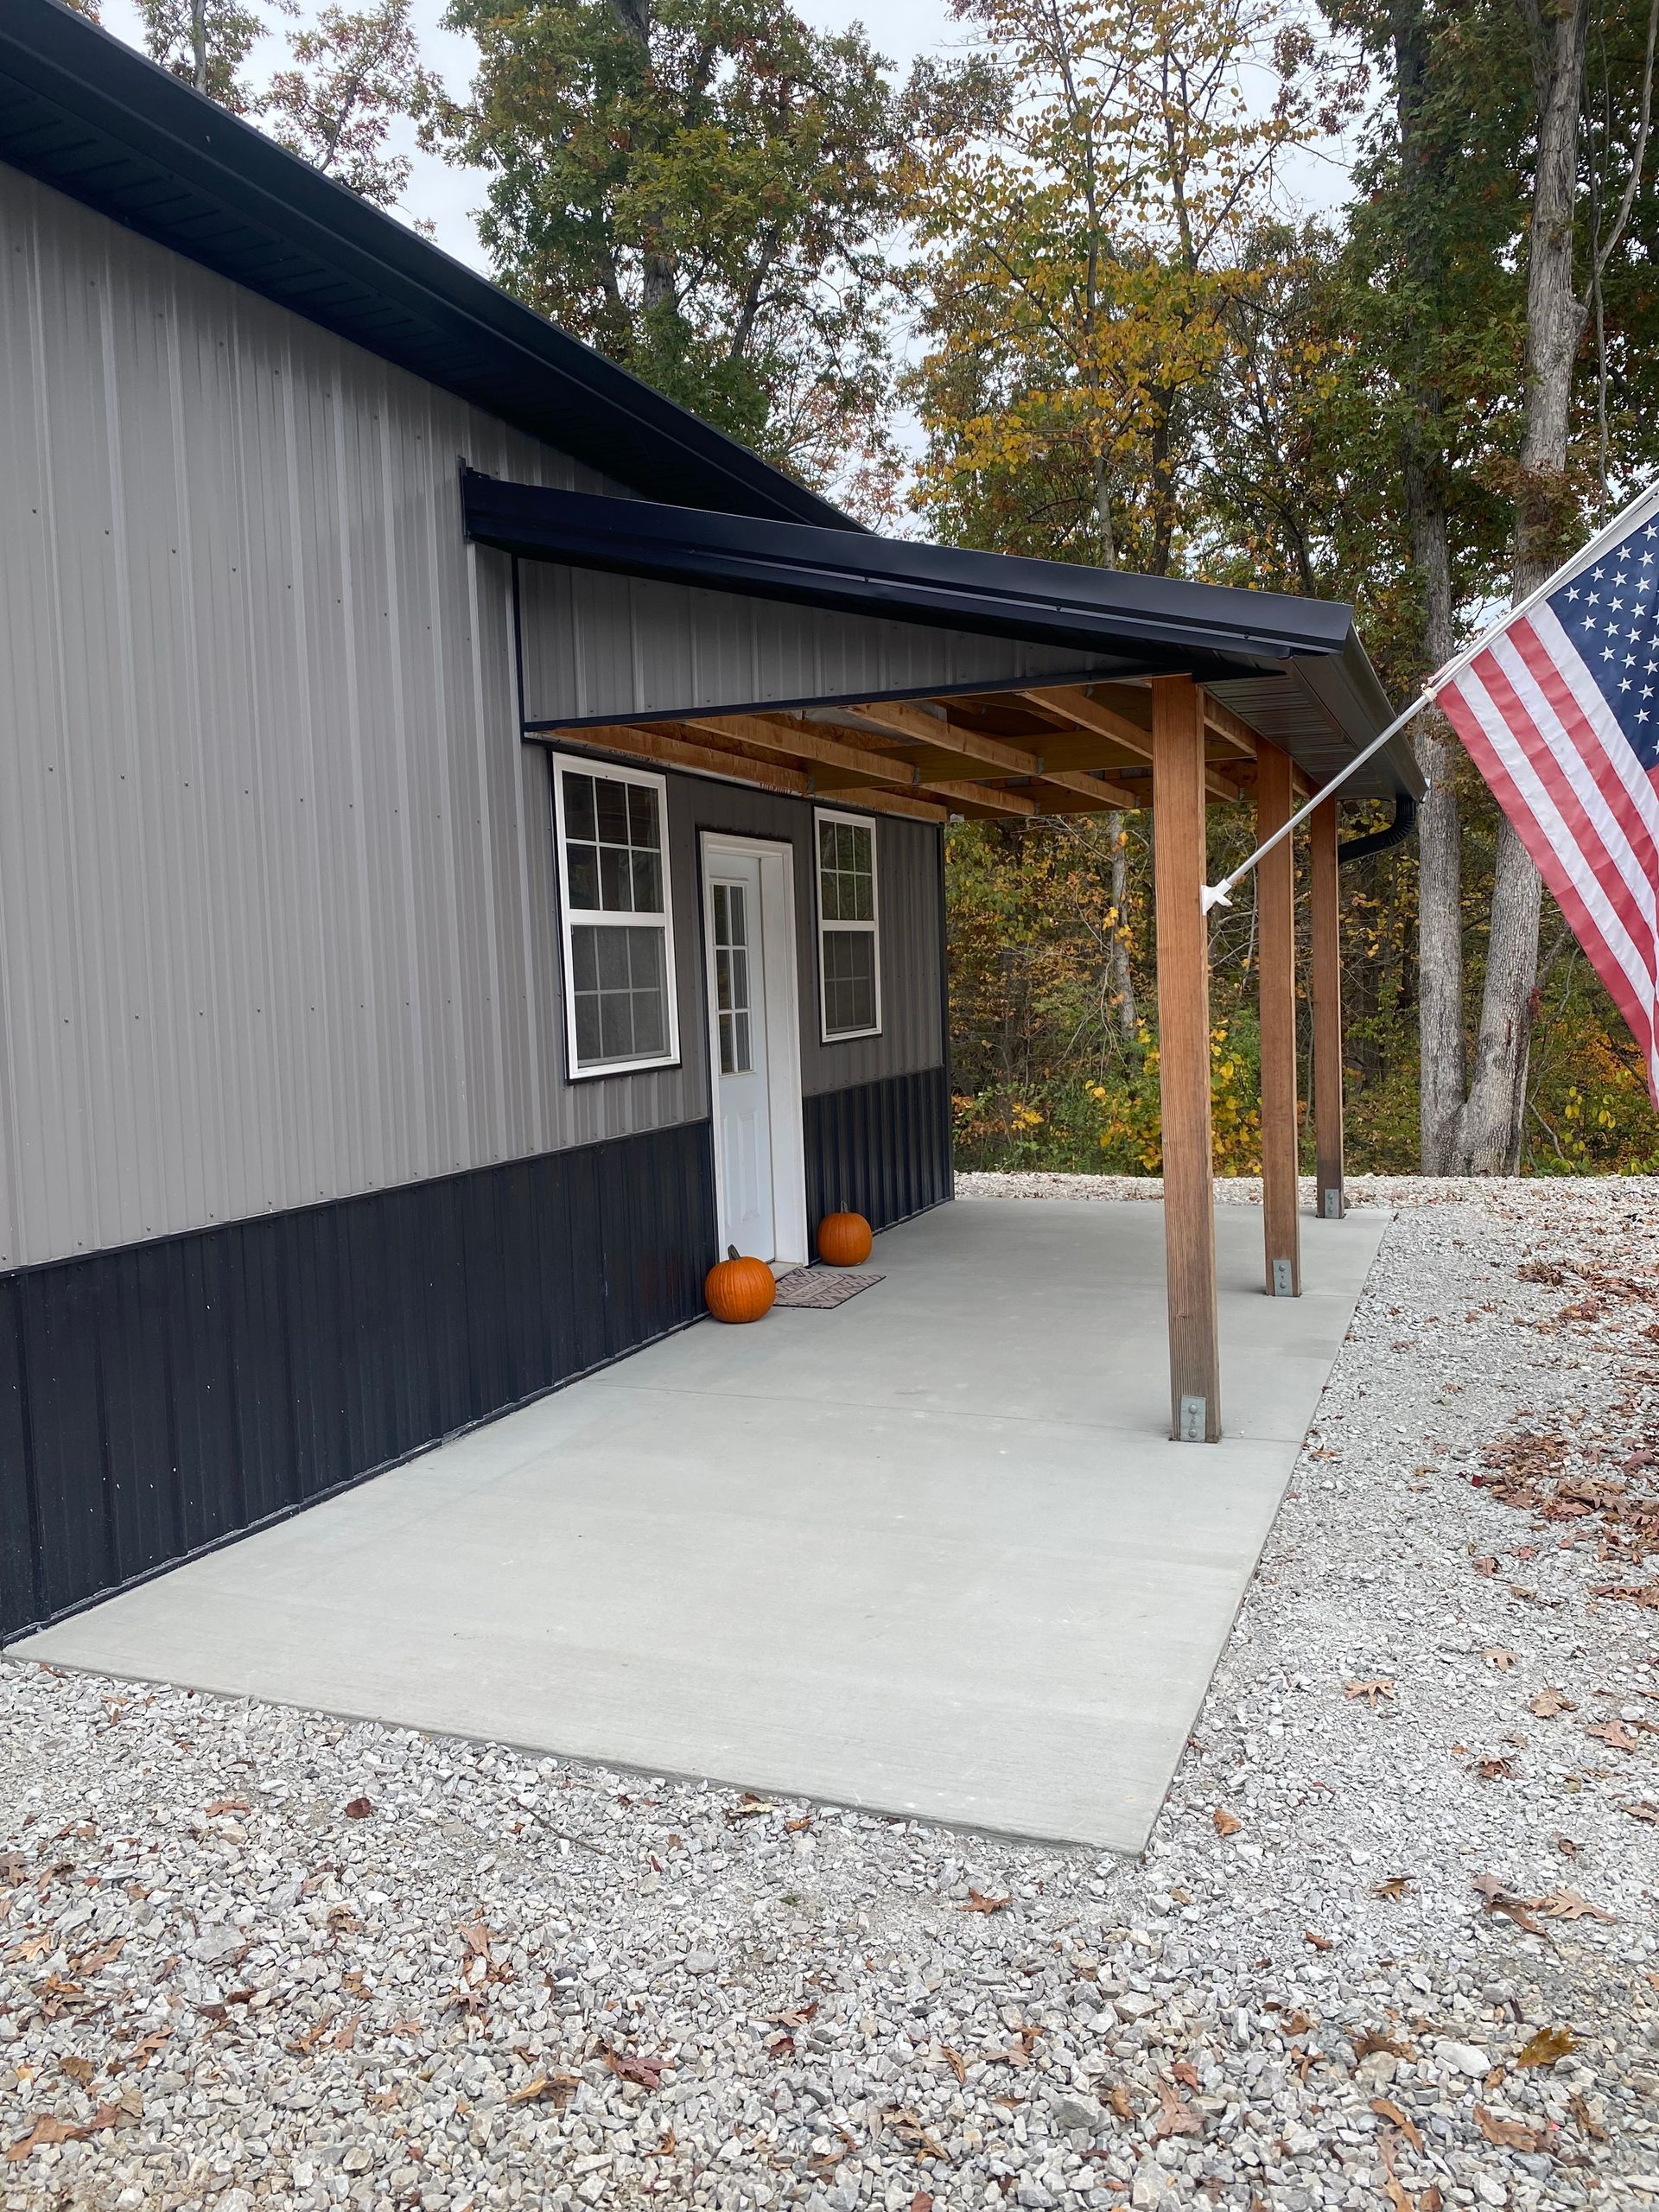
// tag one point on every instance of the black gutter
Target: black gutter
(88, 115)
(1143, 622)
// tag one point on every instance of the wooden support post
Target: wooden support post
(1325, 904)
(1275, 917)
(1183, 935)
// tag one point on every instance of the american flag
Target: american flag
(1559, 711)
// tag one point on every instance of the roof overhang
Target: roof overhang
(1292, 669)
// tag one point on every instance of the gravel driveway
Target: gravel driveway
(1393, 1942)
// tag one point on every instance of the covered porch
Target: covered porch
(930, 1552)
(896, 678)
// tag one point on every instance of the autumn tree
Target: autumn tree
(1085, 186)
(700, 189)
(351, 74)
(206, 43)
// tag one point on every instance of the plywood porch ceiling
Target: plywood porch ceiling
(1059, 749)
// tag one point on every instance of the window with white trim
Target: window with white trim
(614, 898)
(849, 967)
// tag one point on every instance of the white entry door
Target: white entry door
(738, 1015)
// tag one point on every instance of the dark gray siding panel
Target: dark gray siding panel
(881, 1149)
(598, 645)
(156, 1400)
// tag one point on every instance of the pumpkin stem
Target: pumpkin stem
(731, 1252)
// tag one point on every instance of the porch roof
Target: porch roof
(1291, 671)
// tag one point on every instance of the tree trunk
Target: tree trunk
(1122, 977)
(1423, 155)
(1439, 839)
(199, 44)
(1489, 1126)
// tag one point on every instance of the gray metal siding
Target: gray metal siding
(277, 914)
(597, 645)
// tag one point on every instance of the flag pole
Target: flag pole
(1216, 894)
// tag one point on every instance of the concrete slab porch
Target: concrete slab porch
(930, 1552)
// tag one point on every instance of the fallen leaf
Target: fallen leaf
(78, 2069)
(1614, 1732)
(796, 2017)
(1485, 1564)
(49, 2129)
(1379, 1686)
(1495, 1770)
(1567, 1904)
(557, 2088)
(1586, 2119)
(955, 2061)
(1387, 2109)
(1185, 2073)
(1177, 2116)
(630, 2066)
(347, 2037)
(748, 1807)
(1495, 1898)
(359, 1808)
(476, 1936)
(1397, 1885)
(797, 1828)
(1509, 2134)
(1547, 1703)
(1319, 1942)
(1117, 2098)
(1496, 1656)
(1566, 1846)
(781, 2047)
(921, 2202)
(226, 1805)
(1226, 1823)
(910, 2132)
(1546, 2046)
(1630, 1593)
(1372, 2040)
(1644, 1811)
(978, 1902)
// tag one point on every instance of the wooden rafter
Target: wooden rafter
(1232, 729)
(1077, 707)
(650, 742)
(901, 718)
(777, 734)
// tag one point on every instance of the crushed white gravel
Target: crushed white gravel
(1392, 1943)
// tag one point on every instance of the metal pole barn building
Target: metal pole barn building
(471, 837)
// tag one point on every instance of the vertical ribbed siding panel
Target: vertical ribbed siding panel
(881, 1149)
(617, 646)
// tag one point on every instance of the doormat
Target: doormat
(817, 1289)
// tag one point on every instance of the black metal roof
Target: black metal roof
(1293, 669)
(89, 116)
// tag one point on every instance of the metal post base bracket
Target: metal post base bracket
(1284, 1279)
(1194, 1421)
(1334, 1208)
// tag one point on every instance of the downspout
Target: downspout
(1382, 841)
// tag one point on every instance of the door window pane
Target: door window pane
(731, 916)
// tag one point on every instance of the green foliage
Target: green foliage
(701, 189)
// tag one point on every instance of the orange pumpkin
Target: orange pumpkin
(739, 1289)
(844, 1239)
